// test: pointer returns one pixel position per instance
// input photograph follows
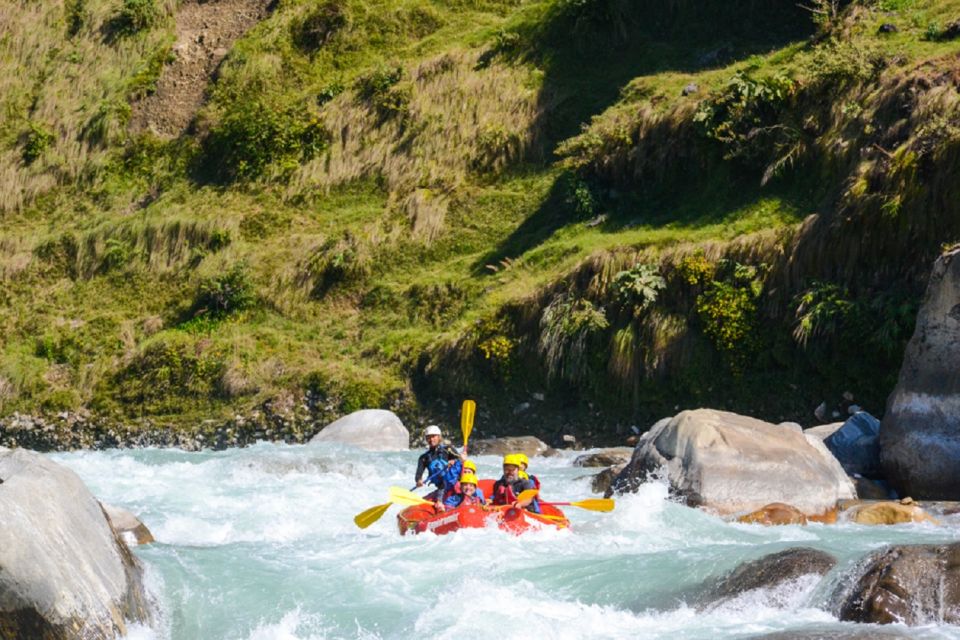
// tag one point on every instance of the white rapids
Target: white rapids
(259, 544)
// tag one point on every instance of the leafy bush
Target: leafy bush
(319, 26)
(144, 82)
(728, 314)
(135, 16)
(639, 286)
(696, 269)
(580, 197)
(225, 294)
(118, 253)
(169, 371)
(821, 311)
(253, 136)
(384, 90)
(36, 140)
(497, 347)
(566, 327)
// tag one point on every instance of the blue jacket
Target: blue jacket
(455, 499)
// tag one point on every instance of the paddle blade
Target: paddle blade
(529, 494)
(595, 504)
(467, 412)
(399, 495)
(371, 515)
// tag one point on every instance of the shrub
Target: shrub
(639, 286)
(695, 269)
(36, 140)
(319, 26)
(384, 91)
(821, 311)
(336, 262)
(728, 314)
(135, 16)
(579, 196)
(118, 253)
(566, 326)
(497, 347)
(225, 294)
(253, 136)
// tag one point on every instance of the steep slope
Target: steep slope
(626, 207)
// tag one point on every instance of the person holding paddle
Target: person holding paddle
(443, 462)
(507, 489)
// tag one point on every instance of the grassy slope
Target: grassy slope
(103, 319)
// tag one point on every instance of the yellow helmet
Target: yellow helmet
(523, 475)
(512, 458)
(468, 478)
(469, 464)
(524, 460)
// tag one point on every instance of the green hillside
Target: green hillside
(602, 209)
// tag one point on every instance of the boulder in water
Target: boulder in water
(769, 572)
(775, 513)
(516, 444)
(910, 584)
(64, 572)
(888, 513)
(920, 432)
(856, 444)
(605, 457)
(602, 481)
(732, 464)
(370, 429)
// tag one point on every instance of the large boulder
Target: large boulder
(856, 444)
(516, 444)
(370, 429)
(127, 525)
(920, 432)
(605, 457)
(730, 463)
(768, 572)
(602, 481)
(64, 572)
(909, 584)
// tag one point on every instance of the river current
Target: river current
(259, 544)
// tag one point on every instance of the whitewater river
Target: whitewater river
(259, 543)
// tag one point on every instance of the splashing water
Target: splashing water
(259, 544)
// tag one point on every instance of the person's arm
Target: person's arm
(421, 467)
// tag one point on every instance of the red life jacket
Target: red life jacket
(466, 500)
(503, 493)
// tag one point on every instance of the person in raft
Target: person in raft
(511, 485)
(468, 493)
(524, 463)
(441, 462)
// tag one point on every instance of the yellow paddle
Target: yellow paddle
(399, 495)
(467, 411)
(591, 504)
(366, 518)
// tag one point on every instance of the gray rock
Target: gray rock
(605, 457)
(690, 89)
(64, 572)
(856, 445)
(824, 430)
(909, 584)
(370, 429)
(920, 432)
(602, 481)
(515, 444)
(768, 572)
(731, 463)
(793, 426)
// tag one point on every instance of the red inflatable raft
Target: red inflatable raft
(424, 517)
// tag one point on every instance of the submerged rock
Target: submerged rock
(909, 584)
(369, 429)
(605, 457)
(769, 572)
(774, 514)
(502, 446)
(64, 572)
(920, 432)
(732, 464)
(888, 513)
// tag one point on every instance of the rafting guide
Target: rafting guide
(507, 490)
(442, 463)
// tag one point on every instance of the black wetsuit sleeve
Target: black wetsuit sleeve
(452, 452)
(422, 466)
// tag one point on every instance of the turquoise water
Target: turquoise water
(259, 544)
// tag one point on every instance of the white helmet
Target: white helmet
(432, 430)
